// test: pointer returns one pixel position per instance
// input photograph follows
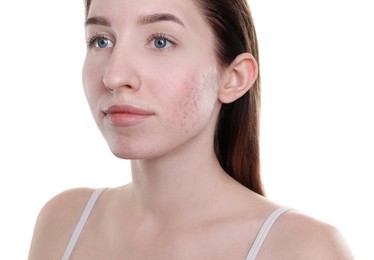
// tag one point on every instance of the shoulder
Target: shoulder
(298, 236)
(56, 222)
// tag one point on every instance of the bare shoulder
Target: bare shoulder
(297, 236)
(56, 222)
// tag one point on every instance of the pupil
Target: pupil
(103, 43)
(160, 43)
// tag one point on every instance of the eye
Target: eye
(161, 41)
(100, 42)
(103, 43)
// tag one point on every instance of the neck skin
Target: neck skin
(185, 183)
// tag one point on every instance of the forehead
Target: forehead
(126, 10)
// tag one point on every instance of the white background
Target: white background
(317, 124)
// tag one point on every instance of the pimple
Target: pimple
(189, 102)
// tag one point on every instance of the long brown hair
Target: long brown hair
(236, 141)
(237, 133)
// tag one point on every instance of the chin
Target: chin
(131, 153)
(126, 155)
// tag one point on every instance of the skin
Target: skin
(171, 210)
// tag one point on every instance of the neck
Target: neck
(178, 185)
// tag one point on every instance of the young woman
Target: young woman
(174, 86)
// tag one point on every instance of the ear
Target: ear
(239, 78)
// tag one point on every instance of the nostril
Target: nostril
(122, 71)
(116, 80)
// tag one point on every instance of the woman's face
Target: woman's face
(151, 76)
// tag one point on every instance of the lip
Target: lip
(126, 115)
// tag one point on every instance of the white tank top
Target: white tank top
(256, 246)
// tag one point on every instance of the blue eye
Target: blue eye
(103, 43)
(100, 42)
(161, 41)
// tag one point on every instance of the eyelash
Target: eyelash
(163, 36)
(93, 40)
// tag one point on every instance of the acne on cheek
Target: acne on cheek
(193, 104)
(192, 96)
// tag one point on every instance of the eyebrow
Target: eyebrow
(95, 20)
(143, 20)
(159, 17)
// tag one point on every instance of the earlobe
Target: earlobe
(239, 78)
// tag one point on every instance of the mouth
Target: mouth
(126, 115)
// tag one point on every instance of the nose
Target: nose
(121, 71)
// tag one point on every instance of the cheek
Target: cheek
(91, 79)
(191, 98)
(197, 97)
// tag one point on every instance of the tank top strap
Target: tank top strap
(82, 221)
(264, 231)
